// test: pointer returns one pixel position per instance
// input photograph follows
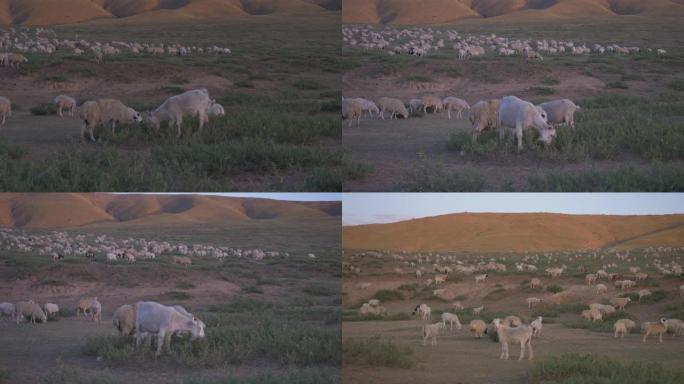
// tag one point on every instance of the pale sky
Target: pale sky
(368, 208)
(265, 195)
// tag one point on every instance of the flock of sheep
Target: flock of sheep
(420, 41)
(507, 114)
(617, 269)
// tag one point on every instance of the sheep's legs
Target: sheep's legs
(519, 135)
(530, 353)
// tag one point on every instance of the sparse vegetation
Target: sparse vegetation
(376, 352)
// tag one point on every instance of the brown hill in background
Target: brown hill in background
(504, 232)
(53, 12)
(443, 11)
(70, 210)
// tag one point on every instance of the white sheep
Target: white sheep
(514, 335)
(67, 103)
(622, 327)
(217, 110)
(423, 311)
(511, 321)
(440, 279)
(432, 101)
(643, 293)
(457, 305)
(481, 278)
(533, 301)
(106, 111)
(601, 288)
(560, 112)
(430, 331)
(478, 310)
(7, 309)
(451, 318)
(484, 115)
(675, 326)
(591, 279)
(5, 108)
(604, 309)
(194, 103)
(620, 302)
(96, 310)
(654, 328)
(51, 309)
(352, 110)
(367, 309)
(537, 326)
(478, 327)
(592, 314)
(84, 305)
(367, 106)
(394, 106)
(415, 105)
(111, 257)
(456, 104)
(374, 302)
(124, 319)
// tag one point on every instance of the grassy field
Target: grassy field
(280, 132)
(268, 321)
(628, 137)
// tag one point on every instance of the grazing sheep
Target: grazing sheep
(592, 314)
(124, 319)
(430, 331)
(373, 302)
(514, 335)
(451, 318)
(518, 115)
(432, 101)
(604, 309)
(106, 111)
(620, 302)
(601, 288)
(641, 276)
(654, 328)
(438, 292)
(675, 327)
(96, 311)
(182, 260)
(512, 321)
(456, 104)
(112, 258)
(480, 278)
(478, 310)
(352, 110)
(367, 309)
(535, 283)
(5, 108)
(31, 311)
(51, 309)
(21, 307)
(643, 293)
(15, 60)
(394, 106)
(622, 327)
(415, 105)
(457, 305)
(533, 301)
(194, 103)
(7, 309)
(367, 106)
(423, 311)
(536, 326)
(484, 115)
(440, 279)
(217, 110)
(560, 112)
(84, 305)
(65, 102)
(478, 327)
(591, 279)
(532, 55)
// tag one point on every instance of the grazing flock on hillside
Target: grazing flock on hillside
(608, 282)
(109, 112)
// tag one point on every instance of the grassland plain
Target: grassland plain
(628, 136)
(280, 88)
(271, 321)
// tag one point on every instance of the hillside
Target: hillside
(44, 12)
(499, 232)
(58, 210)
(444, 11)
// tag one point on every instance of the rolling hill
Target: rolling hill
(72, 210)
(444, 11)
(52, 12)
(500, 232)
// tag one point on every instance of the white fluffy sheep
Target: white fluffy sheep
(643, 293)
(533, 301)
(601, 288)
(64, 102)
(592, 314)
(455, 104)
(654, 328)
(217, 110)
(511, 321)
(432, 101)
(537, 326)
(415, 105)
(51, 309)
(367, 106)
(560, 112)
(7, 309)
(394, 106)
(96, 311)
(620, 302)
(481, 278)
(535, 283)
(478, 327)
(622, 327)
(514, 335)
(423, 310)
(367, 309)
(106, 111)
(604, 309)
(124, 319)
(484, 115)
(675, 326)
(5, 108)
(32, 312)
(351, 110)
(194, 103)
(451, 318)
(430, 331)
(84, 305)
(478, 310)
(591, 279)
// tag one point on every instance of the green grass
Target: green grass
(71, 375)
(385, 295)
(548, 80)
(677, 85)
(319, 290)
(617, 85)
(420, 79)
(554, 288)
(44, 109)
(429, 176)
(307, 84)
(176, 295)
(354, 315)
(376, 352)
(599, 326)
(292, 376)
(543, 91)
(586, 369)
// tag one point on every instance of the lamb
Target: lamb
(96, 311)
(480, 278)
(430, 331)
(535, 283)
(592, 314)
(654, 328)
(451, 318)
(478, 310)
(484, 115)
(622, 327)
(7, 309)
(620, 302)
(352, 110)
(51, 309)
(560, 112)
(432, 101)
(104, 111)
(536, 326)
(533, 301)
(393, 106)
(423, 311)
(517, 115)
(591, 279)
(5, 108)
(601, 288)
(510, 335)
(124, 319)
(478, 327)
(454, 103)
(216, 109)
(84, 305)
(643, 293)
(65, 102)
(188, 104)
(675, 326)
